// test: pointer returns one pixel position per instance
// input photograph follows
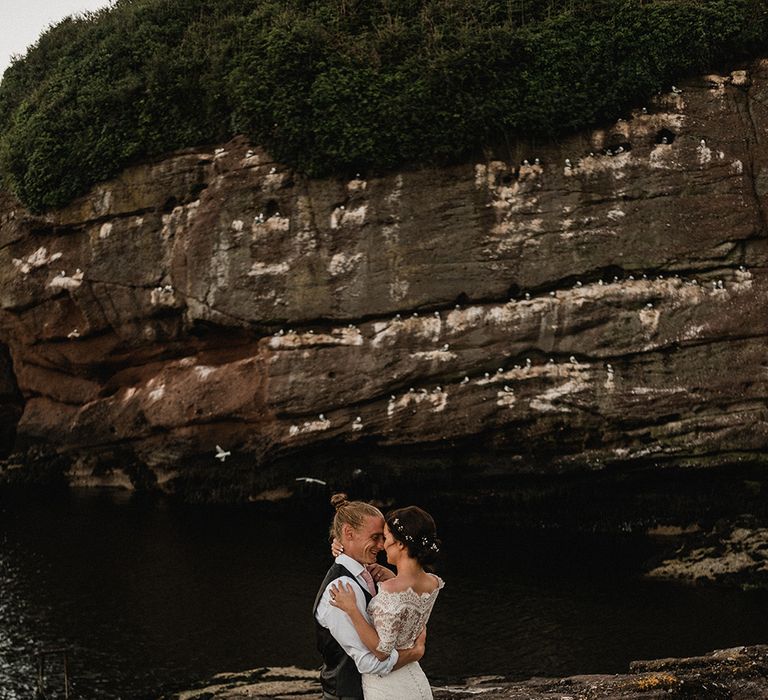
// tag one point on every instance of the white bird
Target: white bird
(600, 282)
(609, 368)
(703, 142)
(487, 375)
(322, 416)
(536, 161)
(645, 110)
(649, 305)
(676, 90)
(392, 397)
(578, 284)
(572, 360)
(631, 277)
(552, 293)
(517, 366)
(62, 274)
(218, 151)
(525, 162)
(358, 420)
(664, 140)
(415, 314)
(568, 163)
(457, 306)
(620, 149)
(500, 370)
(528, 362)
(445, 347)
(438, 389)
(311, 480)
(222, 454)
(397, 317)
(342, 207)
(351, 326)
(273, 171)
(551, 360)
(742, 268)
(527, 295)
(609, 152)
(73, 334)
(506, 388)
(465, 380)
(248, 154)
(357, 175)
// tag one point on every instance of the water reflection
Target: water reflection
(149, 596)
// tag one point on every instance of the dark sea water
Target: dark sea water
(149, 596)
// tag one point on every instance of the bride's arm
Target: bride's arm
(343, 597)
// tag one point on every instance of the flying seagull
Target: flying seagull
(222, 454)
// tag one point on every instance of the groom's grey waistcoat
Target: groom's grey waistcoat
(339, 675)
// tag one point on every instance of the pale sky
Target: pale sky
(22, 22)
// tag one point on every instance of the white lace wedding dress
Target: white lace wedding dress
(398, 619)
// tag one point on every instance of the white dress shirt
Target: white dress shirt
(342, 628)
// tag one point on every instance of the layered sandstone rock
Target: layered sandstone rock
(578, 305)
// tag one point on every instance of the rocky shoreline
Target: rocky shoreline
(740, 673)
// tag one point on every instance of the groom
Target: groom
(345, 656)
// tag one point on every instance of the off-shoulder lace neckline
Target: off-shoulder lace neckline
(426, 594)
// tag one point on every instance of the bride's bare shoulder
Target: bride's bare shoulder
(392, 586)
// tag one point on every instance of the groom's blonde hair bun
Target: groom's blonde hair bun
(338, 500)
(352, 513)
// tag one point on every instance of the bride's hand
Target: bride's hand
(343, 597)
(379, 573)
(336, 548)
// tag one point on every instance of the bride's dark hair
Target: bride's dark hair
(415, 528)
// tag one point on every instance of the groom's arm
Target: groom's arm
(343, 630)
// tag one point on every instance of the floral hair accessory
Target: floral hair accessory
(426, 542)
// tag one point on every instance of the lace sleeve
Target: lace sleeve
(388, 620)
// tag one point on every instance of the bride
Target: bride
(402, 607)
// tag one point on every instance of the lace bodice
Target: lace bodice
(399, 617)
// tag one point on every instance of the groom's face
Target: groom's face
(367, 541)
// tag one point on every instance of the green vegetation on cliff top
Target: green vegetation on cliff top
(341, 85)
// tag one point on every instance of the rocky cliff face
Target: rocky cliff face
(592, 303)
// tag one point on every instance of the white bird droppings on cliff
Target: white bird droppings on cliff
(259, 269)
(549, 400)
(157, 394)
(39, 258)
(313, 426)
(506, 398)
(342, 264)
(704, 153)
(204, 371)
(65, 282)
(436, 402)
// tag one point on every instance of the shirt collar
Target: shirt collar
(354, 567)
